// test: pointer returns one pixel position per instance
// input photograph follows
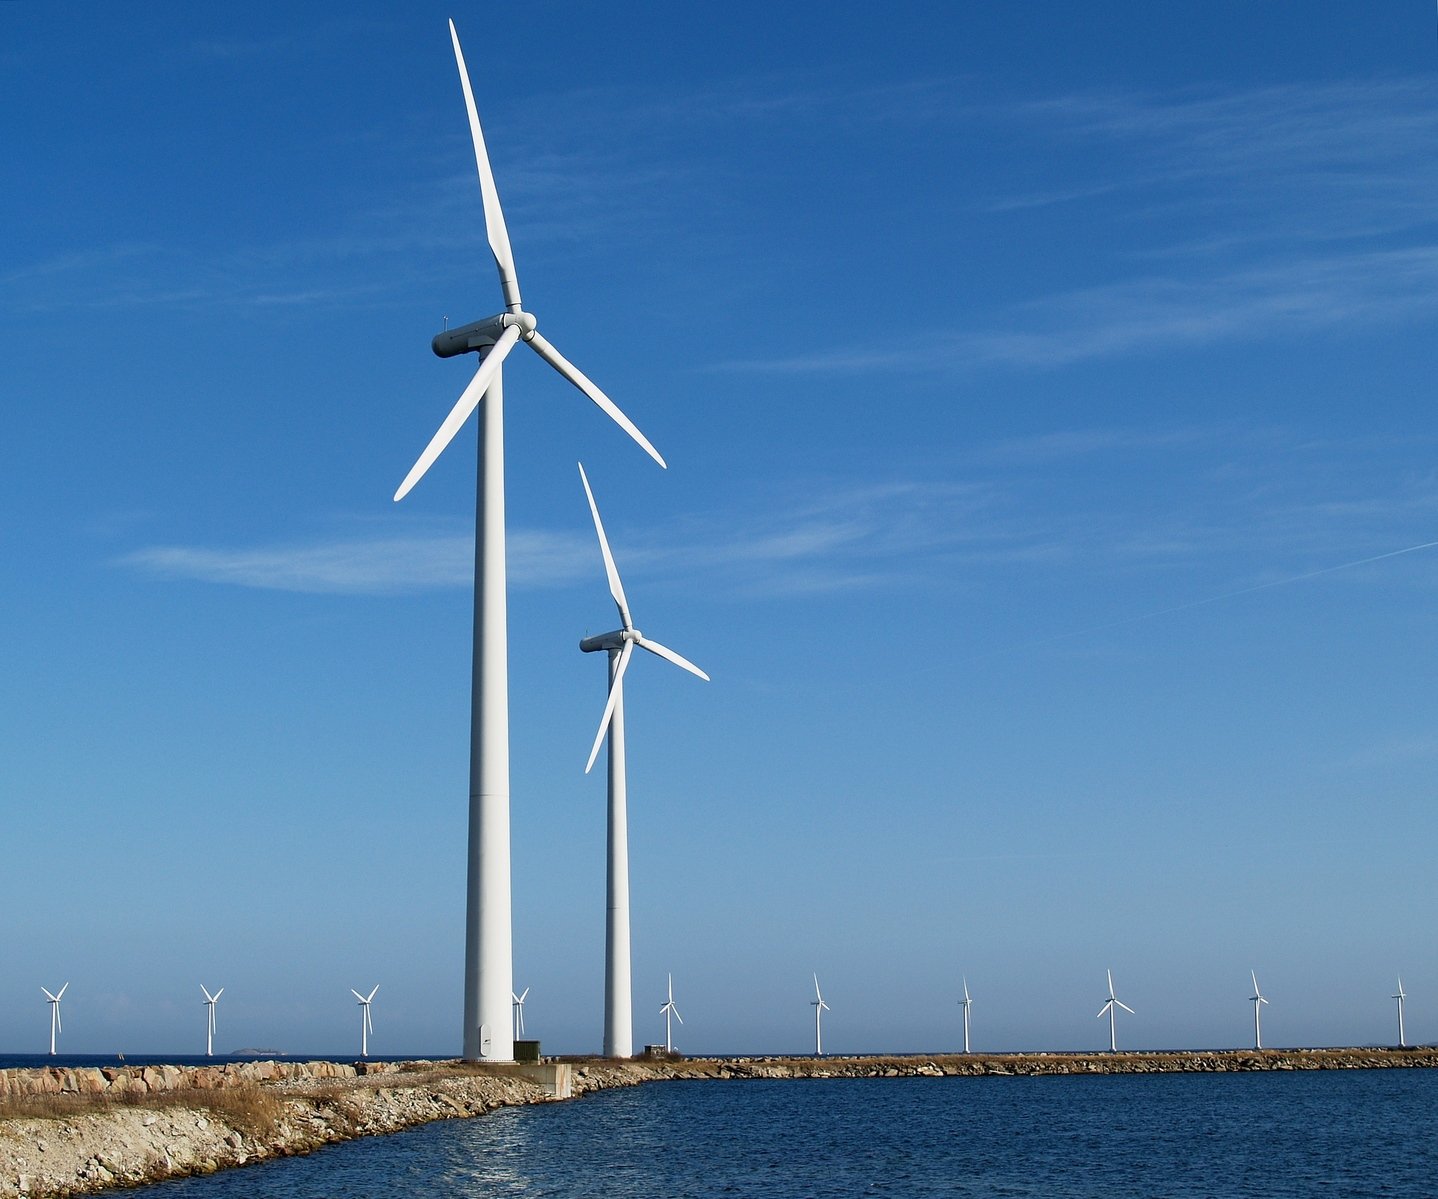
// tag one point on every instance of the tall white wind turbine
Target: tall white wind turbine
(210, 1001)
(618, 1007)
(1113, 1002)
(666, 1011)
(1258, 1000)
(55, 1026)
(966, 1003)
(1402, 1039)
(488, 952)
(366, 1024)
(519, 1012)
(820, 1007)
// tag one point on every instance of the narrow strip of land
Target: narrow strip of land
(70, 1132)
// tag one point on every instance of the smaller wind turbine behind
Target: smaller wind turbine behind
(666, 1011)
(966, 1003)
(1258, 1001)
(518, 1005)
(55, 1026)
(1113, 1002)
(1401, 996)
(366, 1024)
(209, 1002)
(820, 1007)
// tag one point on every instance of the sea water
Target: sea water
(1276, 1135)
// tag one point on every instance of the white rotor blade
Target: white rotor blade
(616, 588)
(372, 994)
(59, 1024)
(1125, 1007)
(1254, 976)
(357, 995)
(571, 372)
(1110, 984)
(468, 402)
(218, 993)
(817, 993)
(493, 214)
(1105, 1008)
(61, 994)
(614, 685)
(368, 1023)
(669, 655)
(48, 996)
(677, 1016)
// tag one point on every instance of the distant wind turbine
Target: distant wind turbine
(1258, 1001)
(618, 1003)
(966, 1003)
(366, 1025)
(1113, 1002)
(820, 1007)
(210, 1001)
(1402, 1040)
(55, 1026)
(518, 1005)
(666, 1011)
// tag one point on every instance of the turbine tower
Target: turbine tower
(1258, 1001)
(1402, 1040)
(519, 1013)
(966, 1003)
(366, 1025)
(820, 1007)
(55, 1026)
(209, 1002)
(488, 946)
(666, 1011)
(618, 1008)
(1113, 1002)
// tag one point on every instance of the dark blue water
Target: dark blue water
(32, 1061)
(1279, 1135)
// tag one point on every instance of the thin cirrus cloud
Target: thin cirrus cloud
(1352, 289)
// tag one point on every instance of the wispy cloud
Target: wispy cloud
(1158, 313)
(367, 566)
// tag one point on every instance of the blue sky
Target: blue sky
(1024, 373)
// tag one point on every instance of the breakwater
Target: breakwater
(66, 1132)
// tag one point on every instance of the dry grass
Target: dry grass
(250, 1109)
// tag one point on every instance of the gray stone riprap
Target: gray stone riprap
(123, 1126)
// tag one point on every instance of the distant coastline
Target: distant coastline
(82, 1130)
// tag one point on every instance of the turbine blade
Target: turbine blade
(677, 1016)
(1103, 1010)
(467, 403)
(523, 994)
(357, 995)
(372, 994)
(1125, 1007)
(669, 655)
(48, 996)
(571, 372)
(1110, 984)
(218, 993)
(61, 993)
(493, 214)
(59, 1024)
(615, 684)
(1254, 976)
(616, 588)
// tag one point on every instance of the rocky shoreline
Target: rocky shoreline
(71, 1132)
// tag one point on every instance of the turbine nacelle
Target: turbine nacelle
(610, 641)
(481, 335)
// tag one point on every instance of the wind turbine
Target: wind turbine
(1258, 1001)
(366, 1025)
(1113, 1002)
(55, 1026)
(666, 1011)
(618, 1010)
(519, 1012)
(210, 1001)
(820, 1007)
(1402, 1041)
(966, 1003)
(488, 945)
